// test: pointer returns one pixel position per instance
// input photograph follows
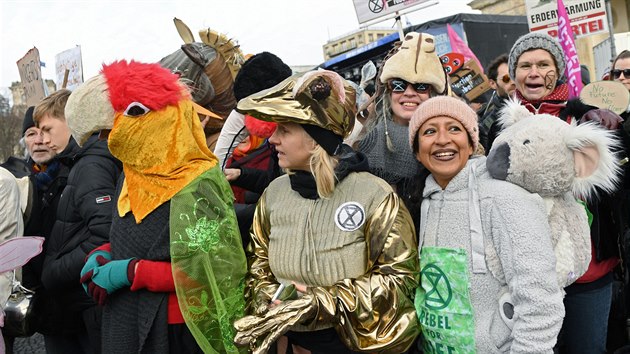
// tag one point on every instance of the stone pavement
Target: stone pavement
(29, 345)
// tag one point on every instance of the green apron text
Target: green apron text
(443, 302)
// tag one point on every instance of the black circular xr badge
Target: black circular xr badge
(375, 6)
(349, 216)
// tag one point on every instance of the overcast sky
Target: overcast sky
(143, 30)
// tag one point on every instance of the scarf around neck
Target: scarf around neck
(303, 182)
(394, 166)
(559, 94)
(44, 174)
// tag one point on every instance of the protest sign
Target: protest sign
(470, 80)
(368, 10)
(610, 95)
(31, 77)
(587, 17)
(69, 60)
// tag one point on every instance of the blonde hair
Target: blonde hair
(323, 169)
(53, 105)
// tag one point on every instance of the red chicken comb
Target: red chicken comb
(150, 84)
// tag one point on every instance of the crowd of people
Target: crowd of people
(397, 240)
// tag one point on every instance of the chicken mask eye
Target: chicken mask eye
(136, 109)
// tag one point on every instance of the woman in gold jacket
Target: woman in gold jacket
(337, 239)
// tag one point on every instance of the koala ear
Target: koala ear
(512, 112)
(595, 163)
(586, 160)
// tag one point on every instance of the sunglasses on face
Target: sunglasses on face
(400, 85)
(505, 78)
(617, 73)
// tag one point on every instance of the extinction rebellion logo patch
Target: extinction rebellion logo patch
(440, 293)
(350, 216)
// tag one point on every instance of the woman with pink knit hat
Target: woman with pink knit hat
(474, 228)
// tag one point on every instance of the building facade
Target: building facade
(354, 40)
(17, 91)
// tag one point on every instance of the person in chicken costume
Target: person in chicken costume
(175, 264)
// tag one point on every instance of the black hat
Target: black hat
(28, 119)
(262, 71)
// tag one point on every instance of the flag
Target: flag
(42, 64)
(459, 46)
(565, 37)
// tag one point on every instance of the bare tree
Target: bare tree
(10, 129)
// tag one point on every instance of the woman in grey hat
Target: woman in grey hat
(537, 64)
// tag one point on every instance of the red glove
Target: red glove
(606, 118)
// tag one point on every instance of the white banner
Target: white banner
(368, 10)
(69, 59)
(587, 16)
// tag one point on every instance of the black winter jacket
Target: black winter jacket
(44, 200)
(621, 214)
(52, 319)
(254, 181)
(84, 217)
(487, 120)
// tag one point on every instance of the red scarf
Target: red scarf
(552, 104)
(560, 93)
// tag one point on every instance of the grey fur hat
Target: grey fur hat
(536, 40)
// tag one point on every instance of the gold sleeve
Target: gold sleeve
(260, 283)
(375, 312)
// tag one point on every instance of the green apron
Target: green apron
(443, 302)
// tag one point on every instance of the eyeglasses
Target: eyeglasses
(506, 78)
(617, 73)
(400, 85)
